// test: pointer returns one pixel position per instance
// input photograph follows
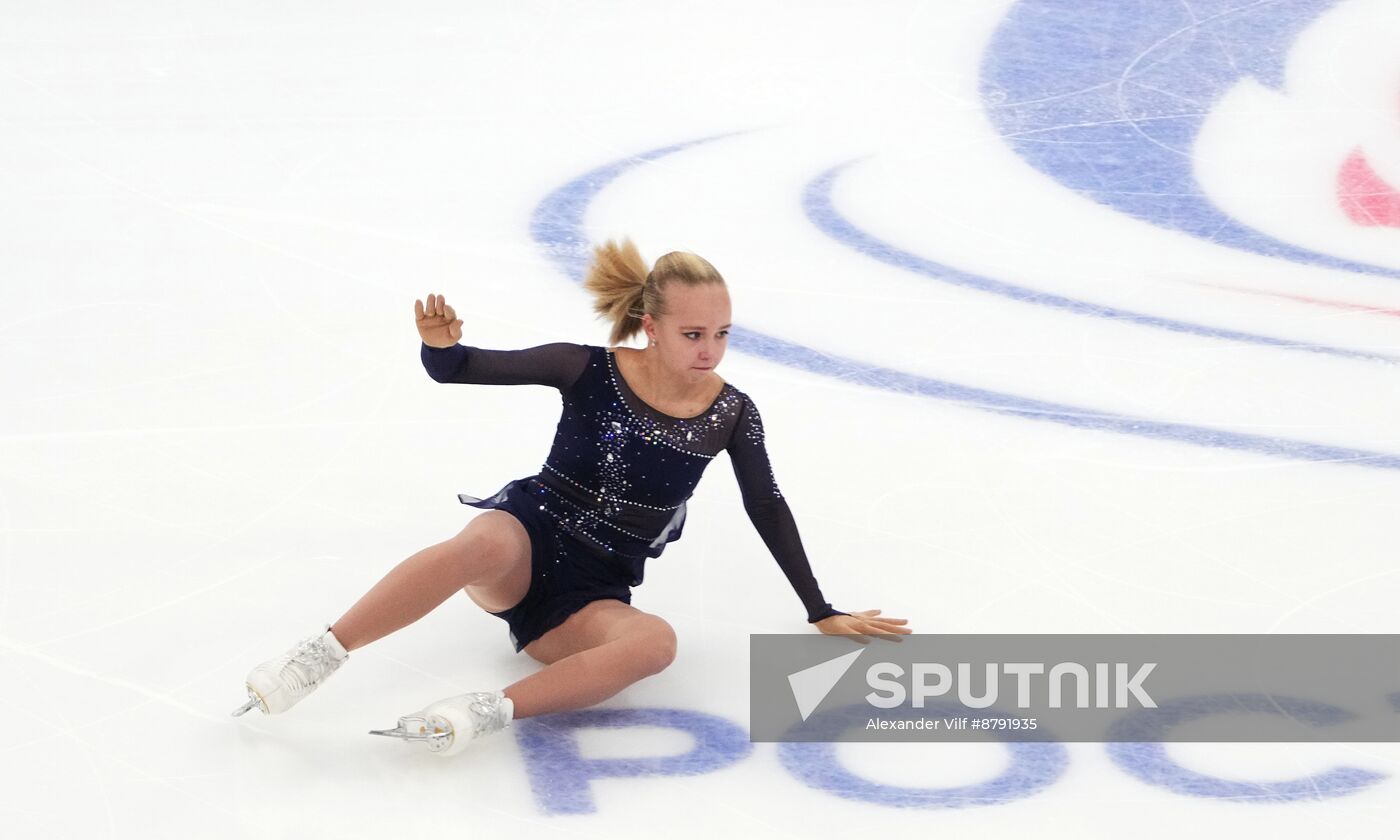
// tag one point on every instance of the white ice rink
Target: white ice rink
(1135, 381)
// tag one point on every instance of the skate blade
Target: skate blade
(404, 734)
(252, 703)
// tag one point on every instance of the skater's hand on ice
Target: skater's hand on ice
(863, 622)
(437, 324)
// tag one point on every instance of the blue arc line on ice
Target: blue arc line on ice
(1108, 96)
(816, 201)
(557, 226)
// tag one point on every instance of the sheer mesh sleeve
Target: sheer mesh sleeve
(769, 511)
(558, 365)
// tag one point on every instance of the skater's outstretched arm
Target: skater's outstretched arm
(769, 511)
(558, 364)
(773, 519)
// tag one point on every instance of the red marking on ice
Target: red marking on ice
(1334, 304)
(1365, 198)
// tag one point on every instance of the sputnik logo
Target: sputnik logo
(811, 685)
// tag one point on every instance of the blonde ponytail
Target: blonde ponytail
(623, 289)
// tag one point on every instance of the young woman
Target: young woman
(556, 554)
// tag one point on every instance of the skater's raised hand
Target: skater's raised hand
(437, 323)
(863, 622)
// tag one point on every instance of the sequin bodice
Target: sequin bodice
(635, 464)
(620, 471)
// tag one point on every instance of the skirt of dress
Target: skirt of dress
(566, 574)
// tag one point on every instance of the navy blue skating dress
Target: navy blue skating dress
(612, 492)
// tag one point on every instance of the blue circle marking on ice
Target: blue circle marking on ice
(1108, 96)
(822, 212)
(557, 226)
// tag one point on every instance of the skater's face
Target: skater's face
(691, 337)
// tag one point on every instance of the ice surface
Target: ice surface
(1084, 293)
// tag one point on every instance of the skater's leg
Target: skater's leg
(490, 558)
(491, 555)
(597, 652)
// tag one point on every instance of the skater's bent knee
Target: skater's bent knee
(493, 543)
(654, 644)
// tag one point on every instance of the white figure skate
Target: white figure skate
(447, 726)
(279, 684)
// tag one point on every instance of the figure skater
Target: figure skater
(556, 554)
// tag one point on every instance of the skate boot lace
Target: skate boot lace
(307, 666)
(486, 712)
